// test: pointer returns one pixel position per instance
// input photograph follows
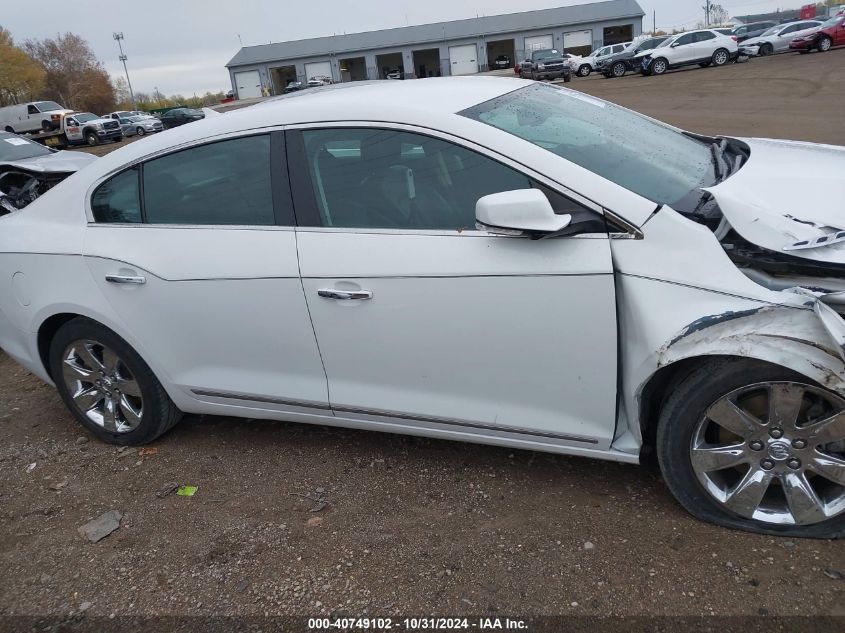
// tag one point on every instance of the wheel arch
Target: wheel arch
(46, 332)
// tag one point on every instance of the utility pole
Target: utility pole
(118, 37)
(707, 14)
(654, 23)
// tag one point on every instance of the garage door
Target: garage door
(574, 39)
(539, 42)
(318, 69)
(463, 60)
(249, 84)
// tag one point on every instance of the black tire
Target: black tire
(567, 79)
(140, 131)
(658, 66)
(824, 44)
(91, 138)
(705, 64)
(584, 70)
(10, 129)
(159, 412)
(47, 126)
(679, 416)
(720, 57)
(618, 69)
(766, 50)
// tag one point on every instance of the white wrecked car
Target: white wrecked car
(28, 170)
(476, 259)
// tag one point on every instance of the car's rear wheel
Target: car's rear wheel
(107, 386)
(10, 129)
(824, 44)
(567, 79)
(721, 57)
(766, 49)
(618, 69)
(584, 70)
(757, 447)
(659, 66)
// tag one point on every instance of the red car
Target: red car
(830, 34)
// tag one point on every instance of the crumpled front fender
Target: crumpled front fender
(809, 341)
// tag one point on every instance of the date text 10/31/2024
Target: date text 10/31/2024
(416, 624)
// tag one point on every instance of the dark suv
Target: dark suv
(620, 63)
(747, 31)
(548, 63)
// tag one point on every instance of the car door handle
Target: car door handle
(331, 293)
(126, 279)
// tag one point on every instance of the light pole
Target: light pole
(118, 37)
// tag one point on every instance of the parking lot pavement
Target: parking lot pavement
(411, 525)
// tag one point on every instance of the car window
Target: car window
(740, 30)
(375, 178)
(31, 109)
(704, 36)
(619, 48)
(118, 199)
(227, 182)
(790, 29)
(684, 39)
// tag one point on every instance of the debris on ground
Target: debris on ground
(147, 451)
(836, 575)
(58, 485)
(319, 498)
(314, 522)
(81, 440)
(187, 491)
(84, 606)
(167, 489)
(99, 528)
(30, 468)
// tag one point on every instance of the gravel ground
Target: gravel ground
(409, 526)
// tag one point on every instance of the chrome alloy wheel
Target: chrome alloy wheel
(774, 452)
(720, 58)
(102, 387)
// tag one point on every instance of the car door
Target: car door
(682, 50)
(780, 42)
(705, 44)
(421, 317)
(195, 252)
(839, 33)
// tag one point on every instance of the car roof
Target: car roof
(419, 102)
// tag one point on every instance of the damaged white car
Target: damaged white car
(476, 259)
(28, 170)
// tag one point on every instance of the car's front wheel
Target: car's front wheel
(584, 70)
(107, 386)
(618, 69)
(92, 139)
(766, 49)
(659, 66)
(824, 44)
(757, 447)
(721, 57)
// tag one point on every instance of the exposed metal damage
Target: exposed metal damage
(19, 188)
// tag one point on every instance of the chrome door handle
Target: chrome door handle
(126, 279)
(331, 293)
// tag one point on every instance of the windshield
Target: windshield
(13, 147)
(84, 117)
(546, 54)
(192, 112)
(831, 22)
(45, 106)
(135, 119)
(648, 45)
(649, 158)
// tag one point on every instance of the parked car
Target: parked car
(583, 66)
(138, 125)
(724, 31)
(394, 74)
(703, 47)
(28, 170)
(548, 63)
(294, 86)
(778, 38)
(618, 64)
(743, 32)
(502, 61)
(315, 82)
(180, 116)
(601, 338)
(831, 33)
(31, 117)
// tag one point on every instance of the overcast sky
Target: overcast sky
(182, 46)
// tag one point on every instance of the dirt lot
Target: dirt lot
(412, 526)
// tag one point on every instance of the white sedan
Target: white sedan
(777, 38)
(479, 259)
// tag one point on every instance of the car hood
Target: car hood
(60, 162)
(756, 41)
(784, 199)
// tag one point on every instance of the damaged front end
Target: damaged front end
(19, 188)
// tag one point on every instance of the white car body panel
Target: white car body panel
(468, 304)
(769, 200)
(500, 340)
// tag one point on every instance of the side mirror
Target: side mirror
(674, 45)
(518, 212)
